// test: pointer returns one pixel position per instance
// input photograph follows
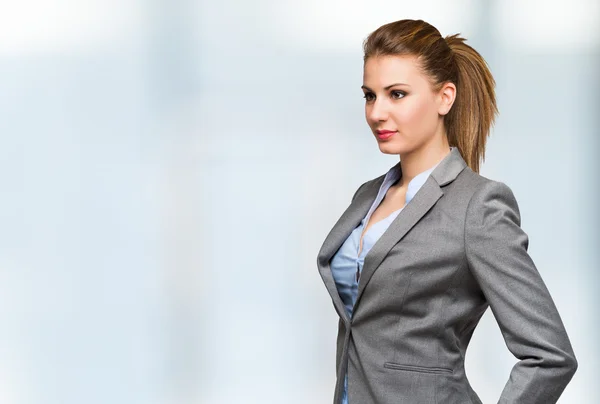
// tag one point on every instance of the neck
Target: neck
(422, 159)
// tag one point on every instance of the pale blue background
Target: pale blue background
(140, 258)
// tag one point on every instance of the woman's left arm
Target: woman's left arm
(496, 250)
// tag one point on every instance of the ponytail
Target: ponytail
(472, 115)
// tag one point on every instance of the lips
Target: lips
(385, 134)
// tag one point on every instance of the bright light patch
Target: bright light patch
(40, 26)
(552, 26)
(343, 25)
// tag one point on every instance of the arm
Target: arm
(496, 249)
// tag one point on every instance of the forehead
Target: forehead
(385, 70)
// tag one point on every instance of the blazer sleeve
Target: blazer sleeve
(496, 251)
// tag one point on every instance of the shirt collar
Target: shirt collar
(393, 175)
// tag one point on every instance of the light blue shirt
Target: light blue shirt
(347, 262)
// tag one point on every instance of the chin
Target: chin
(389, 148)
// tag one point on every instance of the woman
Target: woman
(420, 253)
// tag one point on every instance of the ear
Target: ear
(446, 97)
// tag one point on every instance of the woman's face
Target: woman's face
(401, 107)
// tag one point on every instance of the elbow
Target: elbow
(562, 365)
(568, 366)
(572, 365)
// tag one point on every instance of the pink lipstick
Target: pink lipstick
(385, 134)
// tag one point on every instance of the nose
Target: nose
(378, 111)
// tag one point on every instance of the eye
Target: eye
(397, 94)
(369, 96)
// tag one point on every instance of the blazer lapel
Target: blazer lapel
(349, 220)
(422, 202)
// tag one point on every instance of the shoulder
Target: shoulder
(482, 187)
(365, 186)
(488, 196)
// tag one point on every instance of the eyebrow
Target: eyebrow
(388, 87)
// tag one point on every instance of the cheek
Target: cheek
(415, 113)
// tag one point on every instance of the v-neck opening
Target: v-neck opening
(363, 235)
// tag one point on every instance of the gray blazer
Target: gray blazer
(456, 248)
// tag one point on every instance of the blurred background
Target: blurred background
(169, 170)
